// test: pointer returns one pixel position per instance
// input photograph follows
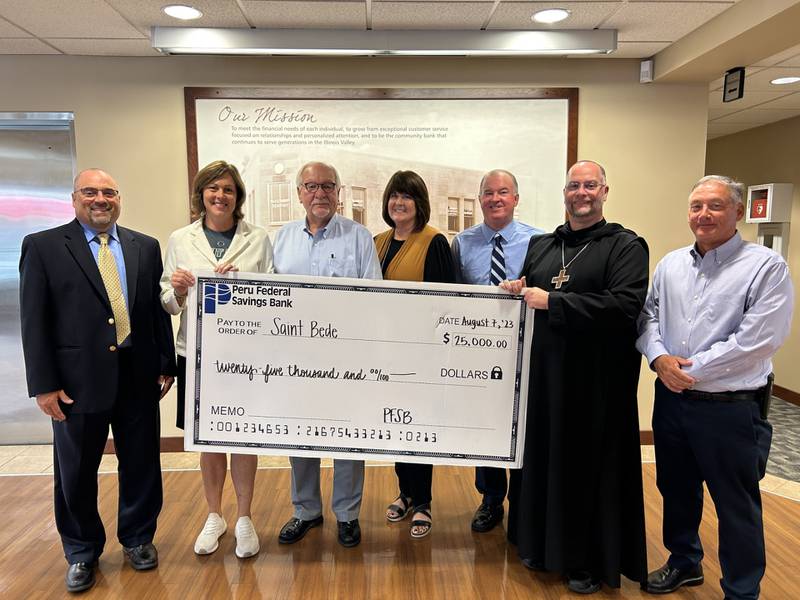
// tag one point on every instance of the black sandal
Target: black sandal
(400, 507)
(421, 523)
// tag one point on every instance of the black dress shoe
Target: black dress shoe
(486, 517)
(295, 529)
(668, 579)
(80, 576)
(533, 564)
(349, 533)
(582, 582)
(142, 557)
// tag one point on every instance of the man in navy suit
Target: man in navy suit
(92, 362)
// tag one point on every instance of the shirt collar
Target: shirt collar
(91, 234)
(723, 252)
(323, 231)
(506, 232)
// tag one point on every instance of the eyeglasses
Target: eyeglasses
(327, 187)
(589, 186)
(90, 192)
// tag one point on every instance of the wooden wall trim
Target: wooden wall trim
(786, 394)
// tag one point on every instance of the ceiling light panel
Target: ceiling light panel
(147, 13)
(584, 15)
(549, 16)
(182, 12)
(198, 40)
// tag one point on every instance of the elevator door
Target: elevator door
(36, 170)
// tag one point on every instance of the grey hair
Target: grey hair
(299, 178)
(735, 188)
(498, 172)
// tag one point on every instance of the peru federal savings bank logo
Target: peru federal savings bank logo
(213, 294)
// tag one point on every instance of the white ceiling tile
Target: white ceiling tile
(718, 130)
(306, 15)
(791, 62)
(7, 30)
(92, 47)
(758, 116)
(716, 84)
(749, 100)
(661, 21)
(25, 46)
(78, 18)
(429, 15)
(716, 113)
(788, 101)
(584, 15)
(787, 54)
(146, 13)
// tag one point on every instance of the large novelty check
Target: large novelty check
(353, 368)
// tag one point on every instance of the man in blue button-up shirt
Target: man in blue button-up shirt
(472, 249)
(715, 315)
(327, 244)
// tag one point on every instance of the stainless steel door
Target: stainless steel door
(36, 169)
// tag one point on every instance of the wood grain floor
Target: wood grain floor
(452, 562)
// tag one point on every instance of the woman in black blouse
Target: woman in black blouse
(412, 250)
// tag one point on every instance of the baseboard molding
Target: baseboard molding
(786, 394)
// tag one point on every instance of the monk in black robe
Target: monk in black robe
(576, 506)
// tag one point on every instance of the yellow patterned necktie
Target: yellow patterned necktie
(110, 275)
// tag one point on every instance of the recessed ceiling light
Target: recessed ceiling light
(550, 15)
(183, 12)
(785, 80)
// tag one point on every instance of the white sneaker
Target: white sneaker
(208, 540)
(246, 538)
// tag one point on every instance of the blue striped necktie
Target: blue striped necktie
(498, 269)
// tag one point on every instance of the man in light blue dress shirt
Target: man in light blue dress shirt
(715, 315)
(473, 249)
(325, 244)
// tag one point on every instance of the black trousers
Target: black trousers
(492, 483)
(725, 445)
(78, 444)
(415, 482)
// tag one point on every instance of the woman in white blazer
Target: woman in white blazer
(220, 240)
